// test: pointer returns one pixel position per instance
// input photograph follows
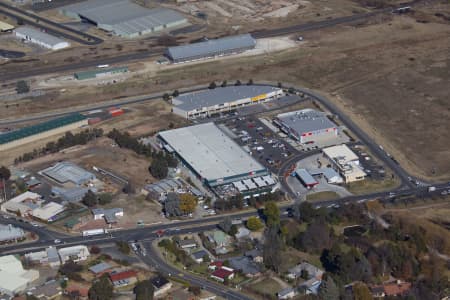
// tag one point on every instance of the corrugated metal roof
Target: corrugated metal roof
(306, 120)
(305, 177)
(39, 35)
(42, 127)
(211, 47)
(123, 16)
(220, 95)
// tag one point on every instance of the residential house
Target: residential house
(256, 255)
(312, 274)
(100, 269)
(287, 293)
(187, 244)
(391, 289)
(49, 290)
(123, 278)
(199, 256)
(161, 285)
(245, 265)
(222, 274)
(75, 253)
(220, 239)
(110, 215)
(215, 265)
(242, 233)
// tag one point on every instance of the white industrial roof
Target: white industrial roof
(39, 35)
(12, 274)
(240, 186)
(220, 95)
(250, 184)
(259, 181)
(269, 180)
(48, 211)
(306, 120)
(210, 152)
(25, 196)
(341, 153)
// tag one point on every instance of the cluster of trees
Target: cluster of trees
(400, 250)
(101, 289)
(144, 290)
(71, 270)
(178, 205)
(227, 226)
(91, 199)
(254, 224)
(66, 141)
(161, 161)
(180, 255)
(123, 247)
(5, 173)
(224, 83)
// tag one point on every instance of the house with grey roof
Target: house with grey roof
(109, 214)
(286, 293)
(198, 256)
(100, 268)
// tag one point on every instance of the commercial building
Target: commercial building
(64, 172)
(41, 131)
(211, 48)
(40, 38)
(5, 27)
(48, 212)
(9, 233)
(99, 73)
(123, 17)
(346, 162)
(13, 278)
(47, 257)
(330, 174)
(214, 157)
(306, 125)
(161, 285)
(222, 99)
(160, 189)
(306, 178)
(75, 253)
(75, 194)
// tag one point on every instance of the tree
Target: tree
(280, 85)
(206, 258)
(102, 289)
(90, 199)
(123, 247)
(224, 83)
(31, 297)
(188, 203)
(250, 82)
(159, 168)
(361, 291)
(166, 97)
(272, 248)
(212, 85)
(328, 289)
(144, 290)
(238, 83)
(22, 87)
(5, 173)
(175, 93)
(104, 198)
(317, 236)
(195, 289)
(254, 224)
(95, 250)
(272, 214)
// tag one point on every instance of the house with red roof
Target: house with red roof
(123, 278)
(215, 265)
(222, 274)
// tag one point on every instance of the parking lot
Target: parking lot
(260, 141)
(370, 166)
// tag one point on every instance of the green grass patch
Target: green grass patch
(369, 185)
(200, 268)
(267, 288)
(327, 195)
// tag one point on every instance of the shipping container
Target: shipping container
(90, 232)
(117, 112)
(93, 121)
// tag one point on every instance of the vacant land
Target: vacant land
(319, 196)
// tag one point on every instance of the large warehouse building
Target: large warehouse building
(123, 17)
(346, 162)
(40, 38)
(222, 99)
(211, 48)
(64, 172)
(40, 131)
(211, 154)
(306, 125)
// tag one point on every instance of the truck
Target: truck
(91, 232)
(431, 189)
